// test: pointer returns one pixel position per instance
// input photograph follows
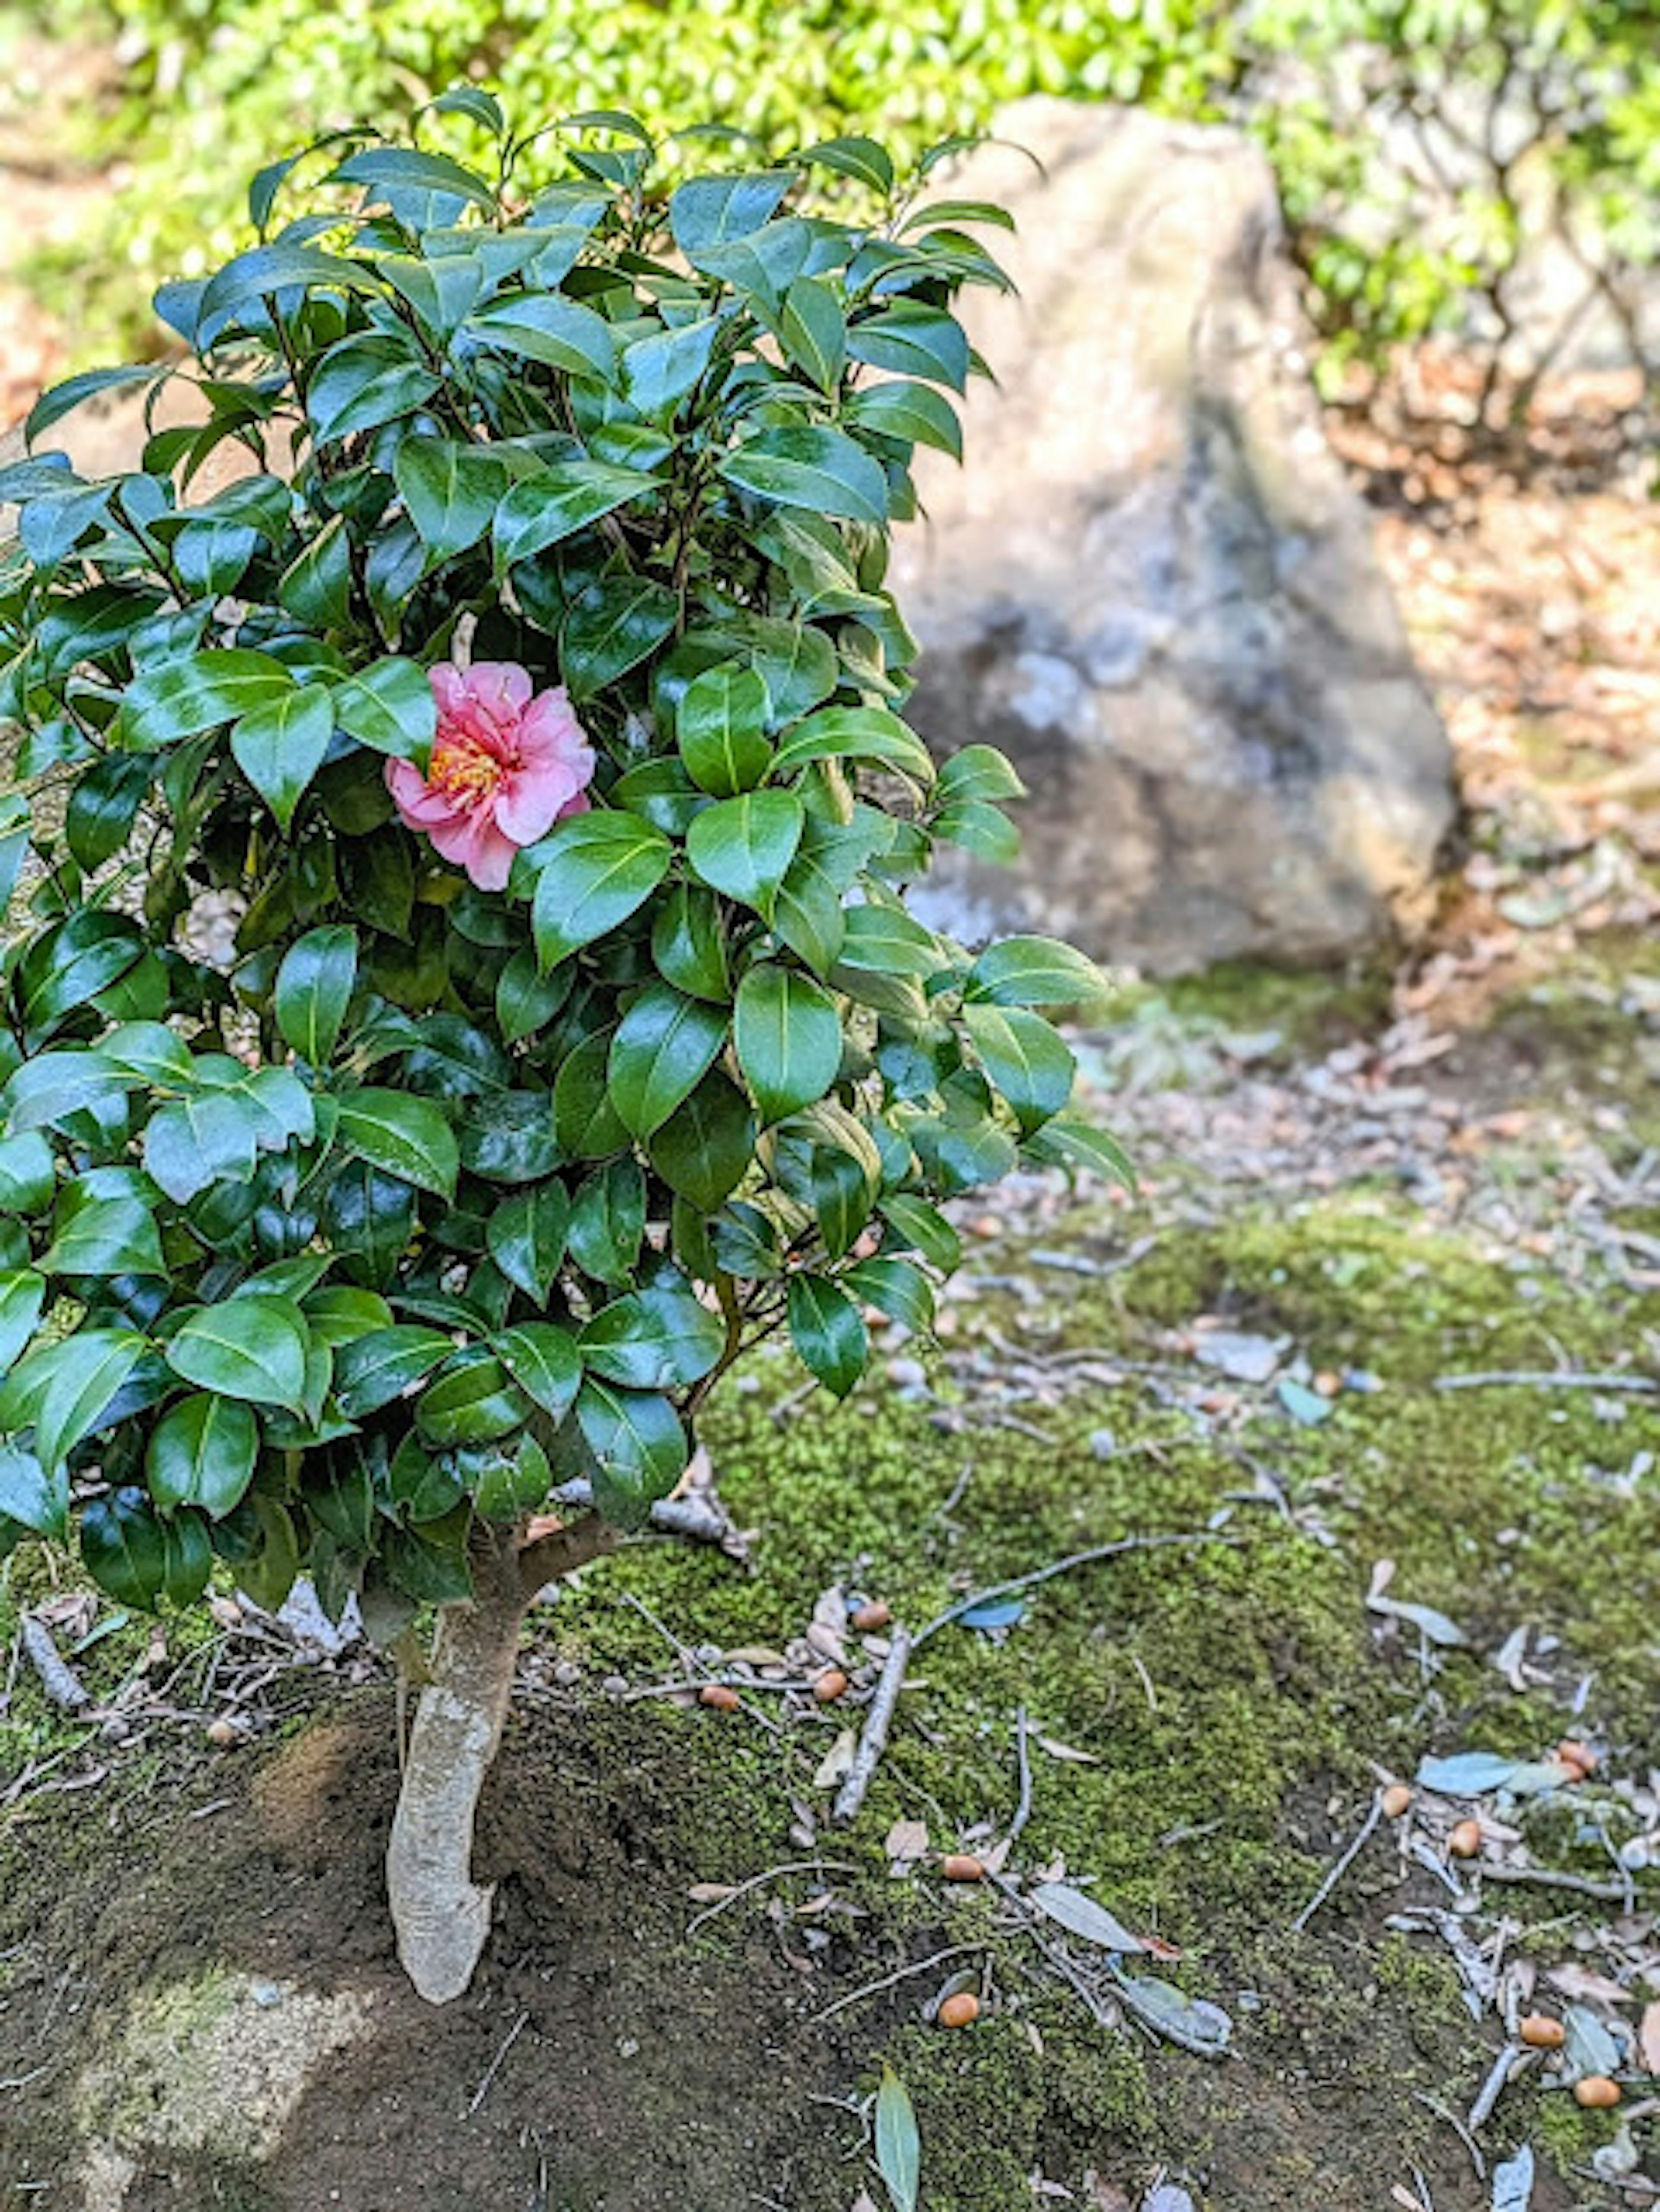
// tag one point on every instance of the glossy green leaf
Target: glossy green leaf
(407, 1137)
(659, 1053)
(449, 490)
(639, 1446)
(549, 328)
(720, 728)
(654, 1339)
(607, 1221)
(595, 869)
(1025, 1058)
(788, 1035)
(822, 470)
(137, 1558)
(201, 1452)
(866, 733)
(687, 944)
(103, 806)
(389, 707)
(525, 1235)
(181, 698)
(544, 1361)
(705, 1148)
(814, 331)
(375, 1368)
(897, 1288)
(27, 1177)
(828, 1332)
(104, 1236)
(279, 747)
(86, 1372)
(253, 1348)
(743, 846)
(473, 1403)
(544, 509)
(611, 627)
(314, 990)
(1035, 971)
(34, 1496)
(364, 381)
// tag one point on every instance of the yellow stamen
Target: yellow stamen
(464, 772)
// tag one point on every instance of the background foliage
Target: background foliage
(1412, 138)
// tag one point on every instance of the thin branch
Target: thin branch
(873, 1741)
(495, 2066)
(1023, 1756)
(1363, 1836)
(759, 1881)
(888, 1981)
(1545, 1378)
(1609, 1892)
(1097, 1552)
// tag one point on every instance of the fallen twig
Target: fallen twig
(494, 2067)
(888, 1981)
(1445, 2113)
(1488, 2096)
(759, 1880)
(1609, 1892)
(1112, 1551)
(1023, 1756)
(1363, 1835)
(1546, 1378)
(57, 1678)
(877, 1720)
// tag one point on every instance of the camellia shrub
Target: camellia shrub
(527, 692)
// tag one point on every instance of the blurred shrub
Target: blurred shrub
(1416, 140)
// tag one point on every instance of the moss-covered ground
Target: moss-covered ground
(1221, 1714)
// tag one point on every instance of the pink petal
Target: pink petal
(501, 688)
(529, 799)
(449, 686)
(419, 806)
(579, 804)
(473, 842)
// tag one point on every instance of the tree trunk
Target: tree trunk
(441, 1915)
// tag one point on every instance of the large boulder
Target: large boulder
(1154, 586)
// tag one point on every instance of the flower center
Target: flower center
(465, 771)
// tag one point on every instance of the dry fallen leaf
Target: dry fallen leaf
(907, 1839)
(1057, 1750)
(710, 1893)
(1648, 2037)
(1586, 1983)
(837, 1762)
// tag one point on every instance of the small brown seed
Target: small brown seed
(964, 2009)
(1328, 1384)
(831, 1684)
(721, 1696)
(1465, 1841)
(1578, 1755)
(1396, 1800)
(1596, 2092)
(867, 1618)
(962, 1866)
(223, 1733)
(1541, 2032)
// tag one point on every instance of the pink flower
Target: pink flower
(505, 768)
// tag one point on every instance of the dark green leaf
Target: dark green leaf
(977, 772)
(181, 698)
(610, 628)
(403, 1136)
(915, 413)
(547, 327)
(28, 1179)
(279, 747)
(828, 1332)
(251, 1348)
(526, 999)
(607, 1221)
(365, 381)
(687, 945)
(137, 1559)
(885, 940)
(390, 707)
(105, 1236)
(919, 1224)
(392, 172)
(788, 1035)
(509, 1136)
(1077, 1144)
(715, 211)
(705, 1148)
(862, 159)
(544, 509)
(659, 1055)
(314, 990)
(913, 340)
(201, 1452)
(820, 470)
(639, 1447)
(543, 1361)
(1025, 1058)
(373, 1369)
(654, 1339)
(743, 846)
(595, 870)
(103, 805)
(85, 1373)
(897, 1288)
(1035, 971)
(815, 332)
(854, 734)
(30, 1495)
(585, 1124)
(472, 1403)
(449, 490)
(526, 1236)
(720, 728)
